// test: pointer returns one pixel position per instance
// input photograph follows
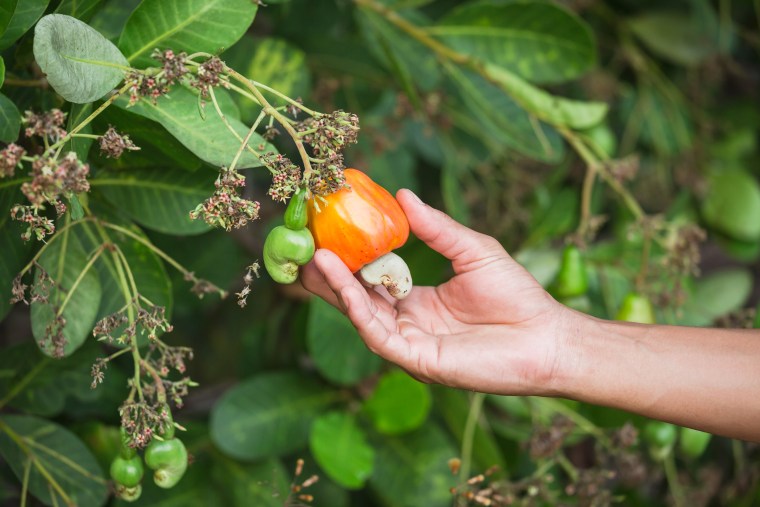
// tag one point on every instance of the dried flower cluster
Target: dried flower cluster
(141, 421)
(242, 296)
(46, 125)
(117, 328)
(10, 159)
(113, 144)
(286, 176)
(226, 209)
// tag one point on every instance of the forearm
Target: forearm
(707, 379)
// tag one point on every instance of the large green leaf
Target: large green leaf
(732, 204)
(399, 404)
(160, 199)
(554, 110)
(678, 38)
(541, 42)
(208, 138)
(412, 470)
(83, 10)
(496, 115)
(24, 14)
(336, 348)
(10, 120)
(38, 444)
(184, 25)
(716, 295)
(64, 261)
(268, 415)
(79, 145)
(41, 385)
(81, 65)
(263, 484)
(340, 447)
(112, 18)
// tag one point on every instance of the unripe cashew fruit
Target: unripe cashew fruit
(169, 460)
(291, 245)
(129, 494)
(127, 472)
(391, 271)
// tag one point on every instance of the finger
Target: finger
(460, 244)
(314, 281)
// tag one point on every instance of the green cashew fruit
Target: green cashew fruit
(291, 245)
(168, 459)
(572, 278)
(693, 442)
(661, 437)
(129, 494)
(127, 472)
(636, 308)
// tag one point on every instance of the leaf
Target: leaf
(159, 199)
(66, 460)
(184, 25)
(16, 253)
(208, 139)
(659, 118)
(412, 470)
(10, 120)
(7, 8)
(268, 415)
(79, 145)
(24, 14)
(81, 65)
(336, 348)
(732, 204)
(2, 71)
(556, 111)
(402, 55)
(399, 404)
(83, 10)
(341, 449)
(716, 295)
(540, 42)
(496, 114)
(111, 19)
(263, 484)
(65, 260)
(676, 37)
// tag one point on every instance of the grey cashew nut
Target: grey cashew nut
(391, 271)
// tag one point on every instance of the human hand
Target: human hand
(491, 327)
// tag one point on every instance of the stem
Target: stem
(671, 474)
(160, 389)
(50, 242)
(282, 120)
(116, 354)
(88, 136)
(92, 116)
(228, 125)
(133, 346)
(79, 279)
(245, 141)
(468, 436)
(29, 83)
(25, 481)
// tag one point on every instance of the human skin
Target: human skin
(493, 328)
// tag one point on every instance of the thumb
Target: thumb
(460, 244)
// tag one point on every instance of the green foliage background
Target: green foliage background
(475, 106)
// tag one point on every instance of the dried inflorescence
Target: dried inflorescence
(10, 159)
(226, 209)
(251, 271)
(140, 420)
(209, 75)
(286, 176)
(113, 144)
(47, 124)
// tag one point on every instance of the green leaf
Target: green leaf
(556, 111)
(83, 10)
(7, 9)
(263, 484)
(184, 25)
(716, 295)
(2, 71)
(79, 145)
(496, 114)
(159, 199)
(399, 404)
(209, 139)
(732, 204)
(540, 42)
(65, 260)
(43, 445)
(658, 117)
(336, 348)
(10, 120)
(676, 37)
(16, 253)
(81, 65)
(24, 14)
(412, 470)
(112, 18)
(268, 415)
(341, 449)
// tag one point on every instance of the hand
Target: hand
(491, 328)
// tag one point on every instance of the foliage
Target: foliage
(148, 147)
